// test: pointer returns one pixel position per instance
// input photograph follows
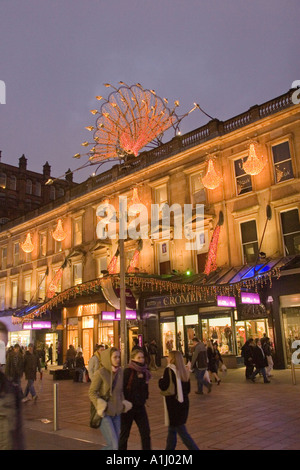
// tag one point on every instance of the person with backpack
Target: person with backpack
(135, 389)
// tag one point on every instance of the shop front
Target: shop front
(84, 327)
(229, 327)
(290, 320)
(96, 323)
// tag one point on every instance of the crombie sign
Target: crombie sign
(172, 301)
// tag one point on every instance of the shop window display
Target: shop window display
(18, 337)
(192, 329)
(180, 343)
(219, 330)
(249, 329)
(291, 324)
(106, 335)
(168, 334)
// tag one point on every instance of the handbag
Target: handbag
(95, 419)
(171, 388)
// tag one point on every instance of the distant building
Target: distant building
(22, 190)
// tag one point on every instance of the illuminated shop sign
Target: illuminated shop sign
(250, 298)
(130, 315)
(36, 325)
(223, 301)
(111, 316)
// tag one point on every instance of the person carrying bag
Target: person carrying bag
(175, 387)
(106, 395)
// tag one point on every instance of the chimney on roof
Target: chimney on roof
(0, 155)
(23, 162)
(69, 176)
(46, 171)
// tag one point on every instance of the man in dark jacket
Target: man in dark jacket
(199, 365)
(31, 365)
(260, 361)
(247, 354)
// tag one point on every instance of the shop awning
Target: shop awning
(223, 281)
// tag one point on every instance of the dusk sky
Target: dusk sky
(226, 55)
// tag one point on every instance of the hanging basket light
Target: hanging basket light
(211, 180)
(27, 246)
(59, 234)
(253, 165)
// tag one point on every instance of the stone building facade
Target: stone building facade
(259, 230)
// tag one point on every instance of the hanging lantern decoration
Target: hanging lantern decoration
(27, 246)
(211, 180)
(253, 165)
(59, 234)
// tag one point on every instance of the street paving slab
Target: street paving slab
(236, 415)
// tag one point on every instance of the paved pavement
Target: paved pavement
(237, 415)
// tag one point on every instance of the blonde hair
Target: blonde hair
(176, 358)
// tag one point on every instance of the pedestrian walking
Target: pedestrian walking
(199, 364)
(79, 367)
(31, 366)
(50, 354)
(106, 394)
(213, 359)
(136, 379)
(153, 353)
(11, 425)
(247, 354)
(260, 361)
(95, 360)
(15, 365)
(177, 382)
(146, 353)
(267, 349)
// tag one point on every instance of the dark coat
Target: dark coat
(14, 366)
(135, 388)
(247, 354)
(31, 365)
(178, 412)
(259, 359)
(11, 426)
(199, 358)
(212, 360)
(79, 362)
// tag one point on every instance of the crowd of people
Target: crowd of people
(118, 396)
(257, 355)
(19, 362)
